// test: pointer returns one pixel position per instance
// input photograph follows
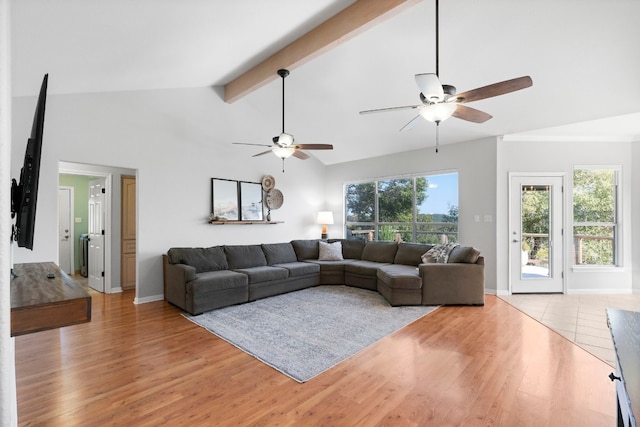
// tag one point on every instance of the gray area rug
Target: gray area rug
(305, 333)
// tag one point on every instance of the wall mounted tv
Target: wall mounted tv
(24, 195)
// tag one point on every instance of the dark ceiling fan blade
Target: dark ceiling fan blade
(261, 154)
(314, 146)
(411, 123)
(301, 155)
(495, 89)
(471, 114)
(248, 143)
(382, 110)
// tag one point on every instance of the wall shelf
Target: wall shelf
(243, 222)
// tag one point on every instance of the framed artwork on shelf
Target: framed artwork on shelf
(225, 199)
(251, 201)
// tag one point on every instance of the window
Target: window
(420, 209)
(595, 216)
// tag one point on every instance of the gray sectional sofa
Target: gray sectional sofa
(203, 279)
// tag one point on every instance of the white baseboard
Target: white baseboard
(599, 291)
(144, 300)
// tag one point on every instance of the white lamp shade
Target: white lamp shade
(283, 152)
(325, 217)
(438, 112)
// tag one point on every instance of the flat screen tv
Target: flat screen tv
(24, 195)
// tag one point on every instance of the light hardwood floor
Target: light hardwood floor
(145, 365)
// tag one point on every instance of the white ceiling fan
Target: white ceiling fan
(440, 101)
(283, 145)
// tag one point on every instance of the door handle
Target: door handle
(515, 241)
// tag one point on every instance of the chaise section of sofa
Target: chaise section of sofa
(458, 281)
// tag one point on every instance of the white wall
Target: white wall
(177, 140)
(635, 219)
(475, 163)
(562, 156)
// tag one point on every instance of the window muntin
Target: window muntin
(414, 209)
(595, 216)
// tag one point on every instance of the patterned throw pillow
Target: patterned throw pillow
(330, 251)
(439, 253)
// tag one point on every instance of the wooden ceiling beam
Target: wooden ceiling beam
(348, 23)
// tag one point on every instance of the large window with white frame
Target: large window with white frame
(596, 216)
(419, 208)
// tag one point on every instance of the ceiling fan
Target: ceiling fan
(283, 145)
(440, 101)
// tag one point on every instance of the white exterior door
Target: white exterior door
(535, 234)
(65, 230)
(96, 234)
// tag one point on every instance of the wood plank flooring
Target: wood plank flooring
(145, 365)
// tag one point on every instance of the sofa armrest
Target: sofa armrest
(454, 283)
(176, 278)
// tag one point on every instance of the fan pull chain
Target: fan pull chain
(437, 135)
(283, 165)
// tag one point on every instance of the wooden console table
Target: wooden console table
(625, 331)
(39, 303)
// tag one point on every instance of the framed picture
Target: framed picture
(225, 199)
(251, 201)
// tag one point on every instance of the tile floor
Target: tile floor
(580, 318)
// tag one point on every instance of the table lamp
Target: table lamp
(324, 218)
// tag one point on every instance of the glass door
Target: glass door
(536, 246)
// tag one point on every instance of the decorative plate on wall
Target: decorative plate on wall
(274, 199)
(268, 182)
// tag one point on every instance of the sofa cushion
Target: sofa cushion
(464, 254)
(203, 259)
(363, 268)
(244, 256)
(400, 276)
(439, 253)
(330, 251)
(264, 273)
(299, 268)
(305, 249)
(279, 253)
(379, 251)
(331, 265)
(410, 253)
(351, 248)
(214, 281)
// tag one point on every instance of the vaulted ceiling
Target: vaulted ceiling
(581, 54)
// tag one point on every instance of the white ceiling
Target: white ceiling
(581, 54)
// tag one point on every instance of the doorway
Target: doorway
(78, 172)
(536, 248)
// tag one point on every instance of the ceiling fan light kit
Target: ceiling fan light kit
(438, 112)
(283, 152)
(439, 101)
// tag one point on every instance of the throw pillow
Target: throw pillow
(330, 251)
(439, 253)
(464, 254)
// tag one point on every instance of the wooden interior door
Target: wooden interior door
(128, 233)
